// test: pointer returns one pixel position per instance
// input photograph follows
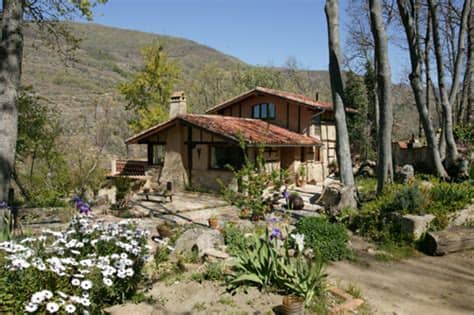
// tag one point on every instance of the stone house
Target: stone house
(295, 133)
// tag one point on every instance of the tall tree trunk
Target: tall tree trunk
(11, 53)
(384, 80)
(469, 76)
(342, 136)
(451, 150)
(417, 83)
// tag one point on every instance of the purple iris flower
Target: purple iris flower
(276, 233)
(84, 209)
(3, 204)
(76, 199)
(286, 195)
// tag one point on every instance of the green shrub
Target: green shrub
(161, 255)
(235, 240)
(409, 199)
(214, 272)
(327, 239)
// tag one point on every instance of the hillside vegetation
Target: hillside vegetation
(85, 90)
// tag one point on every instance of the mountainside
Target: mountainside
(85, 91)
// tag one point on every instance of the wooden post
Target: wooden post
(190, 154)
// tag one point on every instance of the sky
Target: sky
(259, 32)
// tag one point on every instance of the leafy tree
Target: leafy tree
(359, 125)
(148, 92)
(45, 14)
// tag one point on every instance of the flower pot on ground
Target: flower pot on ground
(292, 305)
(165, 230)
(213, 223)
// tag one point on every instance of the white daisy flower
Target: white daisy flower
(52, 307)
(85, 302)
(47, 294)
(70, 308)
(31, 307)
(86, 284)
(75, 282)
(108, 282)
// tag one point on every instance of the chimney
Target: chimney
(178, 104)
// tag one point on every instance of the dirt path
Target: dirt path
(420, 285)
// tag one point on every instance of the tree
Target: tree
(359, 125)
(45, 13)
(407, 14)
(337, 87)
(447, 97)
(148, 93)
(384, 132)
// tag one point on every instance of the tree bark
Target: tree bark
(449, 241)
(469, 76)
(417, 83)
(342, 136)
(451, 149)
(11, 52)
(384, 80)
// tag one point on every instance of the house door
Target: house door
(287, 157)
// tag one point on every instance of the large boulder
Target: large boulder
(462, 217)
(414, 226)
(335, 197)
(198, 240)
(406, 174)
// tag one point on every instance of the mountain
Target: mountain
(85, 90)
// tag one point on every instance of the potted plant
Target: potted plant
(292, 305)
(213, 222)
(165, 230)
(301, 176)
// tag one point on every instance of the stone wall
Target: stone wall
(207, 179)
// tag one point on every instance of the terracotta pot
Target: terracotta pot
(164, 231)
(245, 213)
(292, 305)
(213, 223)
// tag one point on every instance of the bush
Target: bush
(235, 240)
(409, 199)
(327, 239)
(213, 272)
(83, 269)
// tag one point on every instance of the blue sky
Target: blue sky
(259, 32)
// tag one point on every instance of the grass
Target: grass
(199, 307)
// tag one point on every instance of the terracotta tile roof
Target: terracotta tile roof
(252, 131)
(300, 99)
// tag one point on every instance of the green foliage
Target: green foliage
(161, 255)
(214, 272)
(148, 93)
(256, 265)
(301, 277)
(327, 239)
(234, 239)
(253, 180)
(267, 264)
(358, 125)
(123, 185)
(409, 199)
(465, 133)
(55, 259)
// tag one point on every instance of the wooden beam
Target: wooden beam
(287, 115)
(240, 109)
(299, 119)
(150, 153)
(190, 154)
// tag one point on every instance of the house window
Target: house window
(264, 111)
(158, 155)
(223, 157)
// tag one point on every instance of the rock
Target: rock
(426, 185)
(336, 197)
(137, 212)
(295, 202)
(109, 194)
(406, 173)
(133, 309)
(414, 226)
(214, 253)
(198, 239)
(367, 169)
(462, 217)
